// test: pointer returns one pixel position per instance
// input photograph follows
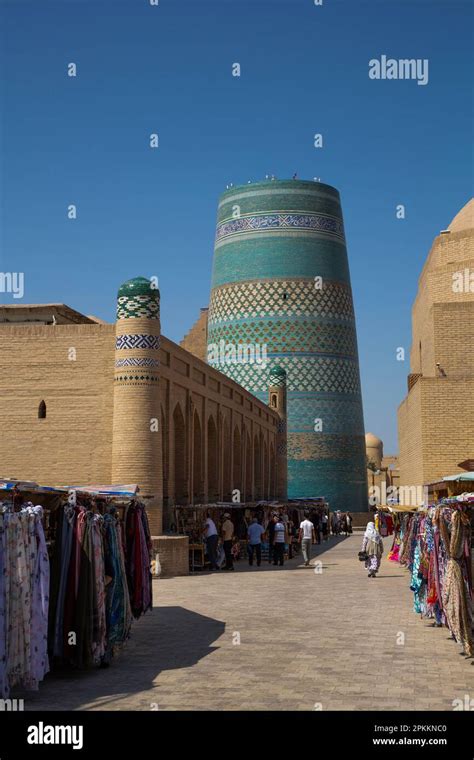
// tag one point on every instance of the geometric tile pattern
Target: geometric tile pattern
(304, 373)
(136, 379)
(131, 341)
(274, 298)
(143, 361)
(289, 335)
(132, 307)
(338, 415)
(289, 222)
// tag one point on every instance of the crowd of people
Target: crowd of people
(280, 536)
(341, 523)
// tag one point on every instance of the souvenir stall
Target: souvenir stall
(74, 571)
(434, 544)
(190, 521)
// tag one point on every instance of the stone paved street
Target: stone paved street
(305, 638)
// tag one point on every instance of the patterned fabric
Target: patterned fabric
(457, 599)
(118, 612)
(24, 597)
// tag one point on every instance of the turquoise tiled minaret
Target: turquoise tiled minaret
(281, 283)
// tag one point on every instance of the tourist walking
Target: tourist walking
(271, 537)
(349, 522)
(279, 542)
(254, 535)
(372, 545)
(324, 526)
(307, 537)
(227, 536)
(334, 524)
(315, 519)
(210, 534)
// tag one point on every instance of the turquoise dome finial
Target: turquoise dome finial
(277, 375)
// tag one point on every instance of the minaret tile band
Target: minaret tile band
(273, 239)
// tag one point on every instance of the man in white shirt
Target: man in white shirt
(307, 537)
(279, 542)
(210, 534)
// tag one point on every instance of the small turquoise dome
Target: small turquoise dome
(277, 376)
(138, 298)
(138, 286)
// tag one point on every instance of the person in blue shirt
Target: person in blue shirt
(254, 535)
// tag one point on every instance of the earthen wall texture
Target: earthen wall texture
(436, 419)
(195, 341)
(71, 369)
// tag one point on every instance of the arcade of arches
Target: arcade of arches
(216, 438)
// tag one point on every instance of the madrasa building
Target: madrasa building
(436, 417)
(87, 402)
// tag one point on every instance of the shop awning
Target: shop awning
(125, 491)
(461, 477)
(397, 507)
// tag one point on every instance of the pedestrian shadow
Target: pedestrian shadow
(391, 576)
(166, 639)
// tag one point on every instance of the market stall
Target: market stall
(74, 571)
(190, 521)
(434, 543)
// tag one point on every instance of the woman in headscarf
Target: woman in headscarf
(372, 545)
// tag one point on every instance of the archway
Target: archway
(212, 461)
(226, 464)
(273, 493)
(198, 491)
(265, 471)
(248, 468)
(181, 495)
(257, 467)
(237, 464)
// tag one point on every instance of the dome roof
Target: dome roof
(464, 219)
(277, 370)
(138, 286)
(371, 441)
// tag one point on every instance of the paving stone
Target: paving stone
(305, 638)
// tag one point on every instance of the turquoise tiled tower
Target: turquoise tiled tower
(281, 291)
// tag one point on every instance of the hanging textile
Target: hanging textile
(118, 610)
(434, 544)
(457, 597)
(95, 584)
(24, 598)
(138, 559)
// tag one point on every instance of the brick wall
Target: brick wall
(195, 341)
(173, 555)
(73, 443)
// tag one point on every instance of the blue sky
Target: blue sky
(167, 69)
